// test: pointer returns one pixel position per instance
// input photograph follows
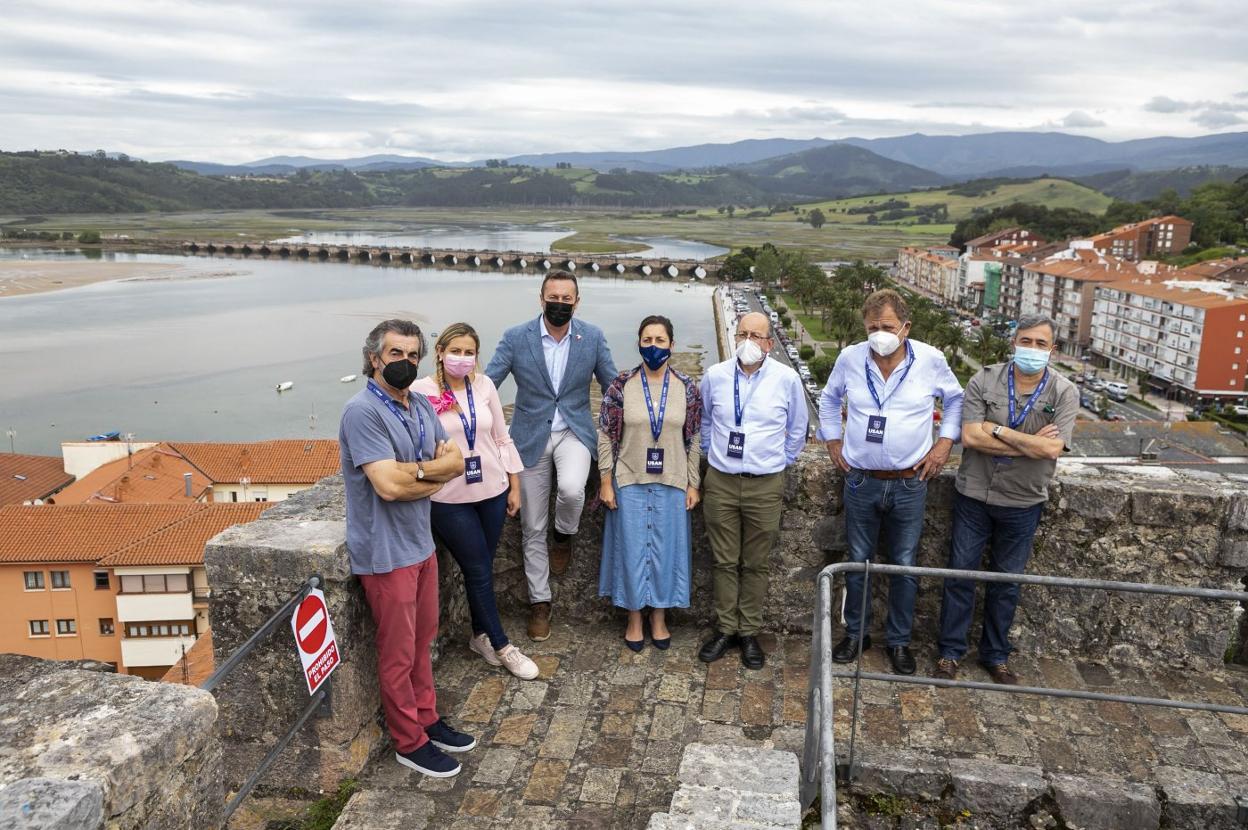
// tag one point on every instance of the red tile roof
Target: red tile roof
(152, 476)
(27, 477)
(196, 665)
(291, 461)
(182, 543)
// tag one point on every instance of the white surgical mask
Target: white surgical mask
(750, 353)
(883, 343)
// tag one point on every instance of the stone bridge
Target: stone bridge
(460, 259)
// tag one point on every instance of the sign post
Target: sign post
(314, 639)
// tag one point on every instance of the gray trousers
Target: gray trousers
(569, 459)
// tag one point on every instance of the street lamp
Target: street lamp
(12, 433)
(244, 481)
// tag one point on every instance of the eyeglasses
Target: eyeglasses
(753, 335)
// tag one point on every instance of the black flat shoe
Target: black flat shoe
(847, 649)
(901, 658)
(635, 645)
(752, 656)
(714, 648)
(661, 643)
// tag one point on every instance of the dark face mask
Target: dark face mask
(401, 373)
(558, 314)
(654, 356)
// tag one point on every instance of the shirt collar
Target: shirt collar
(545, 332)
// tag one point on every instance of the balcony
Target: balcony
(147, 607)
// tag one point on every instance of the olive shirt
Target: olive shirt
(1016, 481)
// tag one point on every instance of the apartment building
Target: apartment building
(153, 475)
(1063, 289)
(1150, 239)
(1190, 336)
(1226, 269)
(931, 271)
(1007, 237)
(25, 478)
(81, 581)
(260, 471)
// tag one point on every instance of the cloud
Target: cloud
(1216, 119)
(1079, 118)
(1161, 103)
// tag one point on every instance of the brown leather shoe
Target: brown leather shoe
(946, 669)
(560, 556)
(1002, 674)
(539, 621)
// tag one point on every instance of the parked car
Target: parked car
(1239, 409)
(1096, 385)
(1114, 416)
(1088, 401)
(1117, 390)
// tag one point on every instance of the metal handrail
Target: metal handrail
(819, 769)
(232, 662)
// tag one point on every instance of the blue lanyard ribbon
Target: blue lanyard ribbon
(393, 406)
(656, 425)
(1015, 423)
(470, 423)
(871, 381)
(738, 407)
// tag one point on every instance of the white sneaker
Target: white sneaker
(516, 663)
(481, 645)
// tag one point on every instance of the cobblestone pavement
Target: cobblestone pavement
(597, 740)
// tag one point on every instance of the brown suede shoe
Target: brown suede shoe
(1002, 674)
(539, 621)
(560, 556)
(946, 669)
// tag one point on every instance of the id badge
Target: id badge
(472, 469)
(875, 429)
(736, 445)
(654, 461)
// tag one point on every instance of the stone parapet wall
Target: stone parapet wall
(1134, 524)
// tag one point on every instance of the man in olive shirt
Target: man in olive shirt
(1017, 418)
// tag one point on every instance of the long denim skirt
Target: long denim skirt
(646, 548)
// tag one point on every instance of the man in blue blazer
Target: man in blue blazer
(552, 360)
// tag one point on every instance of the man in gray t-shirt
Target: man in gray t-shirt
(395, 455)
(1017, 419)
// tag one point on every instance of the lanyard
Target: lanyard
(398, 413)
(656, 425)
(470, 428)
(879, 404)
(1015, 423)
(738, 407)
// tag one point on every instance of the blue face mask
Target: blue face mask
(654, 357)
(1030, 361)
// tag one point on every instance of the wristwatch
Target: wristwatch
(420, 470)
(996, 431)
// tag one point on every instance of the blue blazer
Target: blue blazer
(520, 355)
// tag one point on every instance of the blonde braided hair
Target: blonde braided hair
(448, 334)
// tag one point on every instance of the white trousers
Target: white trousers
(569, 459)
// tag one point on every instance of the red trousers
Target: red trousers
(404, 604)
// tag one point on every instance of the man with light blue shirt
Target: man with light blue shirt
(887, 386)
(753, 426)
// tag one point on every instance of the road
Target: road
(778, 352)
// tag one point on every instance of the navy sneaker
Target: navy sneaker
(429, 760)
(447, 739)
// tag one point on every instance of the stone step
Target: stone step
(734, 787)
(383, 809)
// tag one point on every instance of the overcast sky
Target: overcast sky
(457, 79)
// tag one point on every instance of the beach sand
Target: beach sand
(39, 275)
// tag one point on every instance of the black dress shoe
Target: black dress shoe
(847, 649)
(752, 656)
(901, 658)
(714, 648)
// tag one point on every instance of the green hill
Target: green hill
(1137, 186)
(837, 170)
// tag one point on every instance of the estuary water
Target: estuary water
(196, 352)
(528, 238)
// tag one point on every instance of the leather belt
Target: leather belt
(891, 474)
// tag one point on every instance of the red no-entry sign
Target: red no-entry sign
(314, 639)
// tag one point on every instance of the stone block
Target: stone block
(1087, 803)
(989, 789)
(904, 773)
(747, 769)
(151, 748)
(1195, 800)
(1175, 507)
(49, 804)
(1233, 553)
(1094, 499)
(384, 809)
(1237, 513)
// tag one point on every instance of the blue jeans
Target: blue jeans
(976, 526)
(471, 531)
(896, 505)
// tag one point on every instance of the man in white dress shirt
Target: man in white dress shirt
(888, 386)
(753, 426)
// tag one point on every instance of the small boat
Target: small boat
(106, 436)
(347, 378)
(285, 385)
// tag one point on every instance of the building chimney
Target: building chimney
(186, 477)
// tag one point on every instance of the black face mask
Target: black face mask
(558, 314)
(401, 373)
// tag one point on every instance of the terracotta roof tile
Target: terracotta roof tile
(80, 532)
(1192, 296)
(289, 461)
(196, 666)
(182, 543)
(27, 477)
(152, 476)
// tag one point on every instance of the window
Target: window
(234, 495)
(66, 628)
(177, 582)
(34, 580)
(38, 628)
(102, 582)
(159, 629)
(106, 626)
(60, 579)
(155, 584)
